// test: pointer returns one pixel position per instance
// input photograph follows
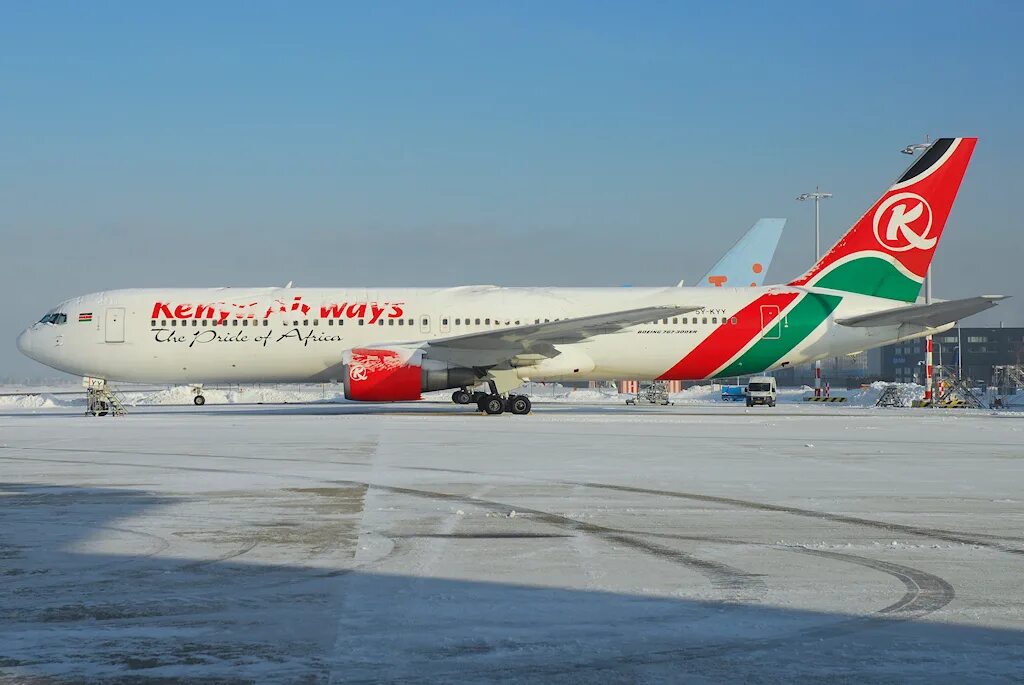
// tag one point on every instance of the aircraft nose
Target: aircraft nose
(26, 343)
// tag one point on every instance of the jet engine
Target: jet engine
(396, 374)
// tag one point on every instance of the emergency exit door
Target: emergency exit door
(771, 322)
(114, 325)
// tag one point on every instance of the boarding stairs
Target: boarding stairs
(1008, 381)
(955, 391)
(101, 399)
(890, 397)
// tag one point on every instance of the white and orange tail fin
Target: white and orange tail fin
(887, 252)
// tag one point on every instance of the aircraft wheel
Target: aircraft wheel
(494, 404)
(461, 397)
(199, 400)
(519, 404)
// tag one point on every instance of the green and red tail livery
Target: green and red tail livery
(887, 252)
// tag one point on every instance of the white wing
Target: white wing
(490, 348)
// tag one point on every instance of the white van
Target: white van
(761, 390)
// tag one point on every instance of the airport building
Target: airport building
(976, 350)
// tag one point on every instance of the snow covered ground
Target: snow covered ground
(51, 397)
(338, 542)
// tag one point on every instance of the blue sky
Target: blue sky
(438, 143)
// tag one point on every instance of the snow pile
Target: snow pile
(284, 395)
(585, 395)
(37, 401)
(256, 395)
(868, 397)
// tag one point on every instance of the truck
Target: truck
(762, 390)
(734, 393)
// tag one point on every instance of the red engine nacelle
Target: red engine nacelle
(381, 376)
(398, 375)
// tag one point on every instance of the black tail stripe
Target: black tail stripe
(929, 158)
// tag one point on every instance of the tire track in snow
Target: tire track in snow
(936, 533)
(738, 585)
(917, 582)
(979, 539)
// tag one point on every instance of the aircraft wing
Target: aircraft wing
(746, 263)
(927, 315)
(489, 348)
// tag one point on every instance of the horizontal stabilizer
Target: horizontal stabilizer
(927, 315)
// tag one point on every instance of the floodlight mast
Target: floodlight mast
(912, 149)
(817, 196)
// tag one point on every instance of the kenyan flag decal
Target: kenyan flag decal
(887, 252)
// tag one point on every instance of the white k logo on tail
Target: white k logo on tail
(909, 223)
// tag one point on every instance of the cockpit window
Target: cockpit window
(55, 318)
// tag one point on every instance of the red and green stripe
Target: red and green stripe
(807, 315)
(871, 275)
(772, 339)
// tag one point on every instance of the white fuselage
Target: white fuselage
(300, 334)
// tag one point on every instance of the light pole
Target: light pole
(928, 380)
(817, 196)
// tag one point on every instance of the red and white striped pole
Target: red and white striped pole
(928, 369)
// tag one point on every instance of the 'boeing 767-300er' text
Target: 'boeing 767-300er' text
(393, 344)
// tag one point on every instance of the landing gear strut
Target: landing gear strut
(198, 399)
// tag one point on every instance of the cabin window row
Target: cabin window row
(700, 320)
(469, 321)
(266, 322)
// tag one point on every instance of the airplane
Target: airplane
(388, 345)
(747, 261)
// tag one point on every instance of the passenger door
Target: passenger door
(770, 322)
(114, 325)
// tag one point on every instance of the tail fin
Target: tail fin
(746, 262)
(887, 252)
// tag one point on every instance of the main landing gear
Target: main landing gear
(197, 396)
(496, 403)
